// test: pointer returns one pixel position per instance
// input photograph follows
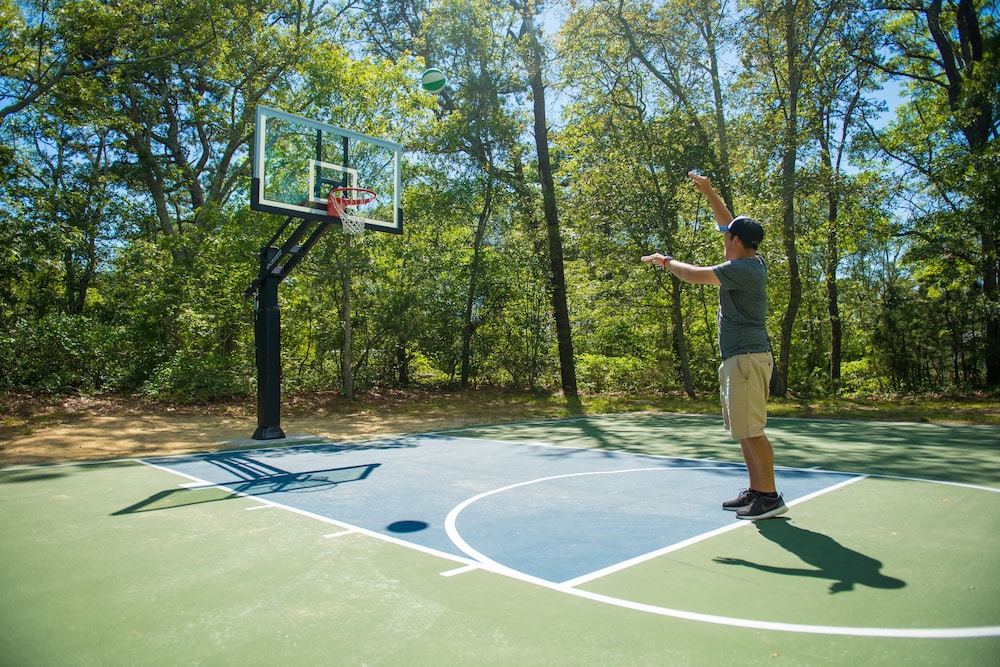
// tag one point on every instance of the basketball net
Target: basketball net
(352, 224)
(340, 199)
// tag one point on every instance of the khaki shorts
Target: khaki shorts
(744, 387)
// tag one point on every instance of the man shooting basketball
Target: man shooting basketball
(747, 362)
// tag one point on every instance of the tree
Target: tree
(782, 43)
(838, 104)
(45, 47)
(678, 45)
(655, 110)
(476, 130)
(533, 62)
(947, 135)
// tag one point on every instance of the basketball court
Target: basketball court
(591, 541)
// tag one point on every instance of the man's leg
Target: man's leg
(759, 457)
(760, 464)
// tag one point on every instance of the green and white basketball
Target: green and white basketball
(433, 80)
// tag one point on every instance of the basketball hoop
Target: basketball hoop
(338, 201)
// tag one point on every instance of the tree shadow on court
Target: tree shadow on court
(829, 559)
(32, 476)
(958, 453)
(948, 452)
(580, 435)
(48, 472)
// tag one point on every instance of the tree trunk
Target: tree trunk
(469, 328)
(832, 290)
(677, 323)
(780, 379)
(346, 369)
(557, 275)
(832, 179)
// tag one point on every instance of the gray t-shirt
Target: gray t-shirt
(742, 306)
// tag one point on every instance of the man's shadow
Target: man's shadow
(830, 559)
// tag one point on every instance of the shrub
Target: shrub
(59, 352)
(190, 377)
(599, 374)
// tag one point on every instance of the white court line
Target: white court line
(900, 633)
(339, 534)
(460, 570)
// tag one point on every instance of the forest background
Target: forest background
(555, 159)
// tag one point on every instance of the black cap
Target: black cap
(746, 230)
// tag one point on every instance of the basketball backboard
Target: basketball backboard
(297, 161)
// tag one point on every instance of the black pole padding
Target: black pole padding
(267, 339)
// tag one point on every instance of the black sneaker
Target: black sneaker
(762, 508)
(745, 499)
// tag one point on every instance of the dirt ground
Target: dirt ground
(37, 431)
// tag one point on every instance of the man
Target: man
(747, 362)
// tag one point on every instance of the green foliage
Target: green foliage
(190, 377)
(860, 379)
(60, 352)
(124, 168)
(599, 374)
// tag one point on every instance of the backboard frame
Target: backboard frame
(272, 124)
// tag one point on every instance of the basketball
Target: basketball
(433, 80)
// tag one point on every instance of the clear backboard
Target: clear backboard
(297, 161)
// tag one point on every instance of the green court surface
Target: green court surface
(120, 563)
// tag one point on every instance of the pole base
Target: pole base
(268, 433)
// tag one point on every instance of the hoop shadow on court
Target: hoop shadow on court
(830, 559)
(258, 478)
(254, 478)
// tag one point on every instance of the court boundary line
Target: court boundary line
(979, 632)
(570, 588)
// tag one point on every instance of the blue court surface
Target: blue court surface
(556, 514)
